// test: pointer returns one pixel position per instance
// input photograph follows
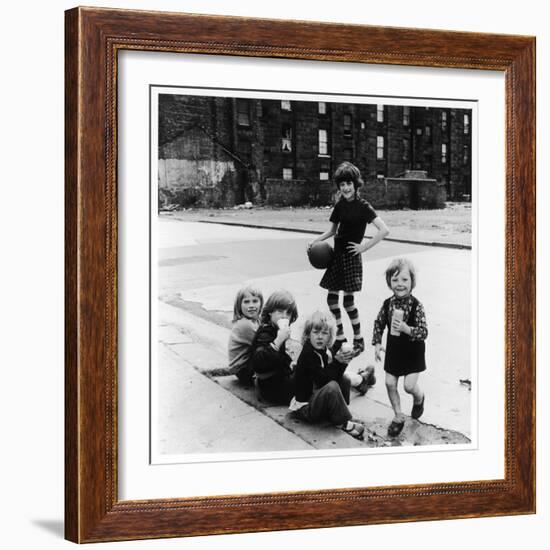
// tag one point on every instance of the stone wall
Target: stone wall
(280, 192)
(414, 193)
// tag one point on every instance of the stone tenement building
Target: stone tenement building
(216, 151)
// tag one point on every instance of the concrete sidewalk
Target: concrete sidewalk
(204, 410)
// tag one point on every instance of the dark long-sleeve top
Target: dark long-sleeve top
(266, 360)
(419, 327)
(313, 370)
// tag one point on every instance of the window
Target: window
(444, 120)
(348, 154)
(323, 142)
(286, 105)
(322, 108)
(428, 131)
(347, 125)
(406, 147)
(379, 147)
(287, 173)
(380, 113)
(363, 125)
(406, 116)
(419, 131)
(466, 124)
(243, 112)
(380, 175)
(443, 153)
(286, 145)
(323, 175)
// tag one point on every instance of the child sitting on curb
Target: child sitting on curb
(322, 388)
(269, 360)
(246, 320)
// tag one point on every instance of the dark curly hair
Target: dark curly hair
(280, 300)
(348, 172)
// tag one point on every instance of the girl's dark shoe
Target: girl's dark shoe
(418, 410)
(369, 379)
(395, 428)
(358, 346)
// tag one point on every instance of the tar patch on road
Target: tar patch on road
(190, 260)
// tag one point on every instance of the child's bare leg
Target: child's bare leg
(393, 394)
(411, 386)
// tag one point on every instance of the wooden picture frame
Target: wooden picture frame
(93, 511)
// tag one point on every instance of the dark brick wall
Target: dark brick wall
(206, 142)
(394, 193)
(279, 192)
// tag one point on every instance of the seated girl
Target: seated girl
(269, 360)
(246, 314)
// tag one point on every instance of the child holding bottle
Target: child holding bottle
(269, 360)
(404, 317)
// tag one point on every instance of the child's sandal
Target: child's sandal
(356, 430)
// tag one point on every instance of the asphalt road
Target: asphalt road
(203, 266)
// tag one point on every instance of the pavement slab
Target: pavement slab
(196, 416)
(319, 436)
(170, 334)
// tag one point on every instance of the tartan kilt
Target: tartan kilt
(345, 272)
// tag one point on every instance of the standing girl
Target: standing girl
(246, 314)
(322, 388)
(349, 220)
(270, 362)
(404, 317)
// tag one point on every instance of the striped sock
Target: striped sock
(334, 306)
(353, 314)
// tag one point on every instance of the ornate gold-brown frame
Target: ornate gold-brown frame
(93, 39)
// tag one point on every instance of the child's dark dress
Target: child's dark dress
(404, 354)
(271, 366)
(345, 271)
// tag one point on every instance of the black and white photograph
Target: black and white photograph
(312, 261)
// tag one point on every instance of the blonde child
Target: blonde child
(405, 347)
(349, 220)
(322, 389)
(246, 314)
(269, 361)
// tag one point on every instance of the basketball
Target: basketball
(320, 255)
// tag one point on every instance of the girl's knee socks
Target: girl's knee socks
(353, 314)
(333, 305)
